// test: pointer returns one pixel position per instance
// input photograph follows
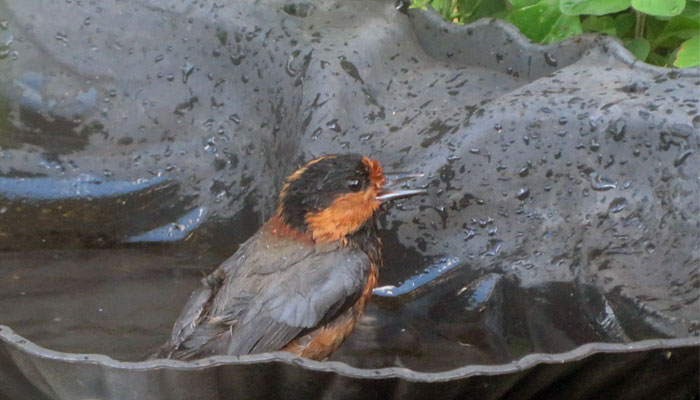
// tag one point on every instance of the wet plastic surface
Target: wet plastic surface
(141, 142)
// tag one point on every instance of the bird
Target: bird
(302, 281)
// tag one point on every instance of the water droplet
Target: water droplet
(680, 130)
(62, 38)
(290, 71)
(5, 43)
(365, 137)
(525, 171)
(301, 10)
(236, 58)
(523, 194)
(650, 248)
(550, 59)
(498, 128)
(617, 205)
(333, 125)
(483, 223)
(402, 6)
(469, 234)
(210, 145)
(235, 118)
(563, 120)
(591, 124)
(187, 70)
(600, 182)
(617, 129)
(493, 248)
(682, 157)
(594, 146)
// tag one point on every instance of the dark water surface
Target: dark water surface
(123, 302)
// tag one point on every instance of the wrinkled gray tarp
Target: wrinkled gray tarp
(142, 141)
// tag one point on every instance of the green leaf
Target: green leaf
(668, 62)
(604, 24)
(543, 22)
(640, 47)
(692, 9)
(522, 3)
(653, 28)
(689, 53)
(593, 7)
(419, 4)
(678, 27)
(624, 22)
(656, 59)
(471, 10)
(659, 8)
(565, 27)
(443, 7)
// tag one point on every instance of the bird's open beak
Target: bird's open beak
(390, 189)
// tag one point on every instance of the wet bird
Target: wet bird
(301, 283)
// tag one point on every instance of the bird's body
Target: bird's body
(301, 283)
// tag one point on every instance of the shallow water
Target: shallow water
(122, 302)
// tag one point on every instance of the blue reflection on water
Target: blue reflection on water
(481, 291)
(414, 282)
(173, 231)
(81, 186)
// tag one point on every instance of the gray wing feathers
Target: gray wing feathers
(315, 289)
(266, 295)
(195, 308)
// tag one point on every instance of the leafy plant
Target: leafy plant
(660, 32)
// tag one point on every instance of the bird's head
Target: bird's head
(335, 195)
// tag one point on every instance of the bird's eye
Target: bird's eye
(354, 185)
